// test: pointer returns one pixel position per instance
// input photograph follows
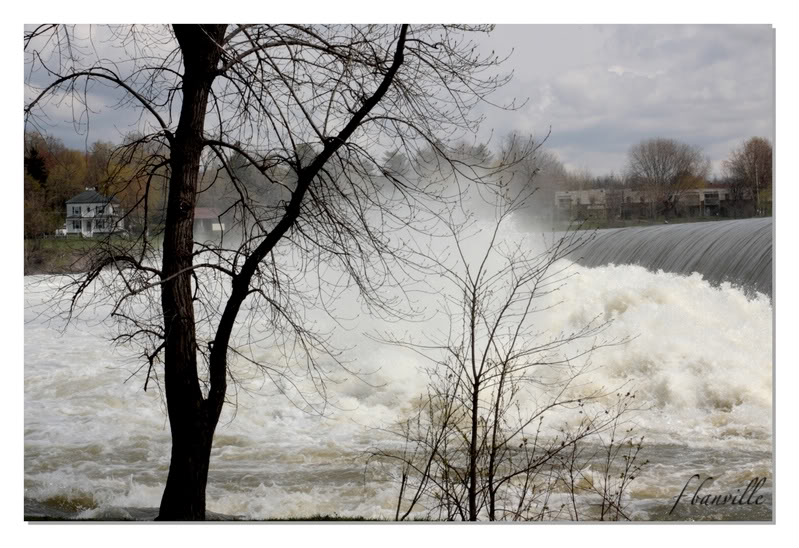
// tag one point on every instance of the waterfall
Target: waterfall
(738, 252)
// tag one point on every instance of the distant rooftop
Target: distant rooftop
(91, 196)
(206, 213)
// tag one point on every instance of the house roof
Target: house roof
(91, 196)
(206, 213)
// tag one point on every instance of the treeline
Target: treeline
(136, 173)
(55, 173)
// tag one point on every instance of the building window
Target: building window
(76, 210)
(76, 225)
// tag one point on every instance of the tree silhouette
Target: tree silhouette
(303, 109)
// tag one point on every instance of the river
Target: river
(97, 445)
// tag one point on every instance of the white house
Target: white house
(91, 213)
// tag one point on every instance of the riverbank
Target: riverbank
(218, 517)
(62, 255)
(57, 255)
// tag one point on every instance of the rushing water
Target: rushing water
(723, 251)
(98, 447)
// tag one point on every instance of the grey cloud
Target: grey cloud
(707, 85)
(600, 88)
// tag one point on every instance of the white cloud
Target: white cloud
(619, 70)
(602, 89)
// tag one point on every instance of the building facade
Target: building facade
(91, 214)
(625, 203)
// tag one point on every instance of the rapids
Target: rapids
(97, 445)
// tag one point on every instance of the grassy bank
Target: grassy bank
(57, 255)
(61, 255)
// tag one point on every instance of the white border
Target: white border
(783, 15)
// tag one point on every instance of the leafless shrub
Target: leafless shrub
(481, 442)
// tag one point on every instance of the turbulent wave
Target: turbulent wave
(97, 446)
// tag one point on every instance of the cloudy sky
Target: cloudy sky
(602, 89)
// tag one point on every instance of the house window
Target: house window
(75, 225)
(76, 210)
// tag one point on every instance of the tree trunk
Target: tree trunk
(192, 421)
(192, 418)
(473, 454)
(184, 495)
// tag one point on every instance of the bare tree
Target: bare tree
(749, 170)
(614, 202)
(601, 467)
(478, 443)
(665, 168)
(542, 172)
(308, 108)
(579, 179)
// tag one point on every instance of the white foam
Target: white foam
(700, 359)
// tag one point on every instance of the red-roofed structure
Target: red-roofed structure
(207, 223)
(206, 213)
